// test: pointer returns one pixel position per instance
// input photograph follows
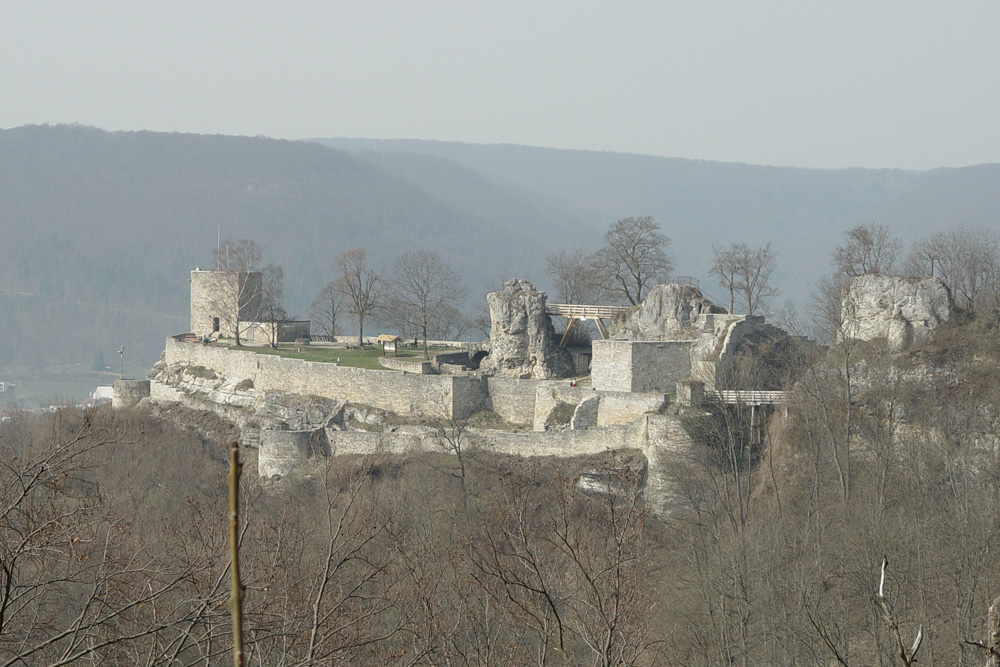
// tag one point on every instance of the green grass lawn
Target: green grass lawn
(367, 358)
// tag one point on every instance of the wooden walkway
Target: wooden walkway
(576, 312)
(572, 310)
(751, 397)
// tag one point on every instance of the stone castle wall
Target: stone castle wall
(550, 394)
(422, 367)
(127, 393)
(513, 400)
(651, 430)
(661, 438)
(526, 402)
(614, 408)
(640, 366)
(618, 408)
(405, 394)
(282, 450)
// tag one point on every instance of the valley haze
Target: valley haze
(103, 228)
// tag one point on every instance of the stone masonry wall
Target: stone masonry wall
(213, 293)
(638, 366)
(513, 400)
(367, 443)
(661, 438)
(281, 451)
(470, 394)
(402, 393)
(127, 393)
(548, 443)
(657, 366)
(421, 367)
(624, 408)
(662, 431)
(614, 407)
(549, 394)
(611, 365)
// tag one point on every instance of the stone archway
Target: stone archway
(477, 358)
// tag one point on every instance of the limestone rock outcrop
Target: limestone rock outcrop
(904, 310)
(666, 312)
(522, 340)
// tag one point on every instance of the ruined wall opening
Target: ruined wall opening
(477, 358)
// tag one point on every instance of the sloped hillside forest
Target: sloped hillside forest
(856, 524)
(113, 538)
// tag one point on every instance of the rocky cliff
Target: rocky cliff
(904, 310)
(522, 340)
(667, 312)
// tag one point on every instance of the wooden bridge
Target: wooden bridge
(574, 313)
(756, 399)
(750, 397)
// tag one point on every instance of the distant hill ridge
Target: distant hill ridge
(698, 202)
(102, 228)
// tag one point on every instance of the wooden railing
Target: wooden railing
(579, 312)
(751, 397)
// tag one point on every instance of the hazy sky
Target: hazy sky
(910, 84)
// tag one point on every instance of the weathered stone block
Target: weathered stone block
(666, 311)
(639, 366)
(903, 310)
(585, 415)
(690, 393)
(127, 393)
(522, 340)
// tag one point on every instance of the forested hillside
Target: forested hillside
(867, 515)
(102, 229)
(700, 203)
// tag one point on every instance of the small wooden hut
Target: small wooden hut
(389, 343)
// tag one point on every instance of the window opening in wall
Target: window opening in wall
(215, 324)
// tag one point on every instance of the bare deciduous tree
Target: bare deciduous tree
(422, 291)
(326, 309)
(77, 581)
(827, 300)
(238, 292)
(967, 259)
(755, 285)
(634, 257)
(725, 266)
(867, 249)
(576, 277)
(350, 592)
(272, 309)
(359, 284)
(747, 272)
(567, 569)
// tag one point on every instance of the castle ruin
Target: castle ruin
(298, 410)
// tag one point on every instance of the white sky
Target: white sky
(839, 83)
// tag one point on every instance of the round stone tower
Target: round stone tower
(127, 393)
(281, 450)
